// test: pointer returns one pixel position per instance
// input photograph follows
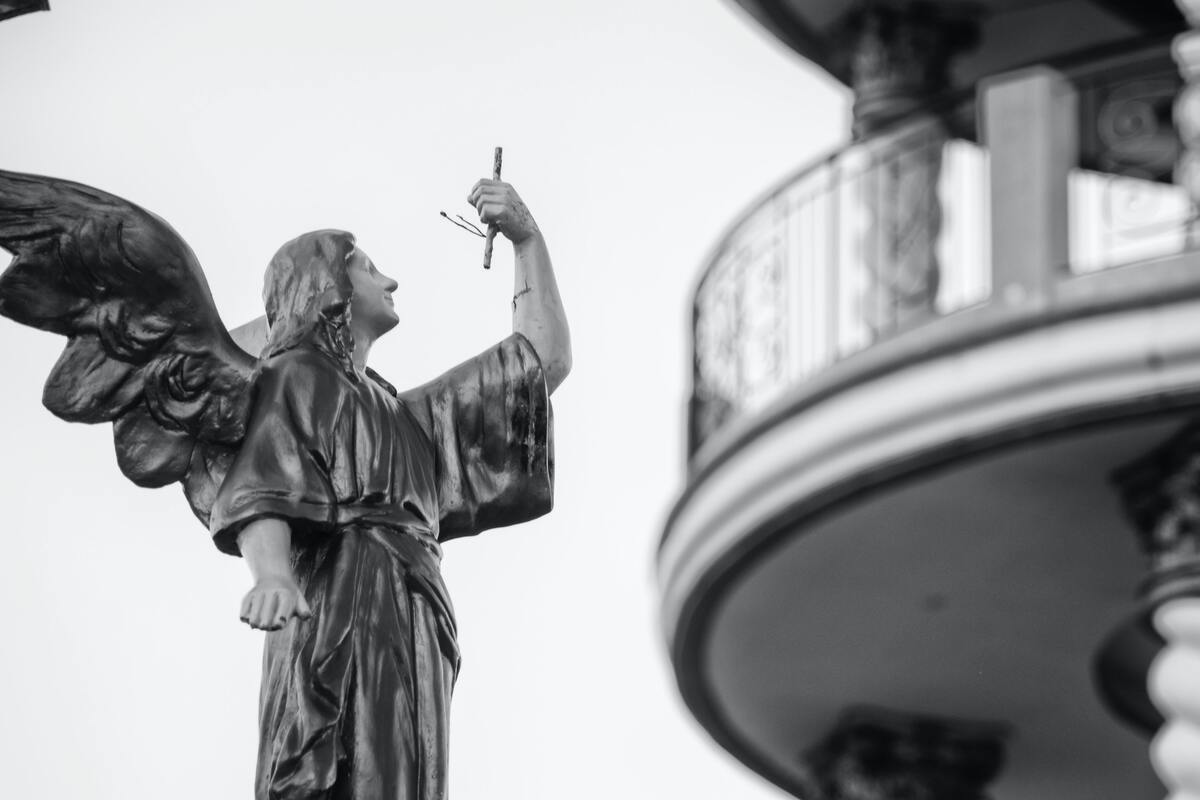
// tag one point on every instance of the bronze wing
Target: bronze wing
(146, 349)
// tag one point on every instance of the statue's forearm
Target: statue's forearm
(537, 309)
(266, 545)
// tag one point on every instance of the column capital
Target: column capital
(1160, 492)
(898, 59)
(1161, 495)
(879, 754)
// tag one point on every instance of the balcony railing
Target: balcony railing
(887, 235)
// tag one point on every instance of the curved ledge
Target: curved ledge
(1002, 376)
(1134, 286)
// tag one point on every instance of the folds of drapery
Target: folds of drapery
(356, 699)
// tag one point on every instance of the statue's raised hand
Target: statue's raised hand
(499, 204)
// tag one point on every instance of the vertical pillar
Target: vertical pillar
(899, 245)
(897, 61)
(1186, 51)
(1175, 688)
(1030, 129)
(1161, 492)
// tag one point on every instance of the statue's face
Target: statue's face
(371, 308)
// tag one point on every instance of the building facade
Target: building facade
(943, 499)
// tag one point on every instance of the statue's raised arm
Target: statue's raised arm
(538, 313)
(146, 349)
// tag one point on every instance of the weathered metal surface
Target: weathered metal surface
(15, 8)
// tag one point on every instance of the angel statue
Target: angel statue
(336, 489)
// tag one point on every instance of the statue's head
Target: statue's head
(308, 295)
(322, 290)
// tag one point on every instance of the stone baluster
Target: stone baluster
(1175, 689)
(1186, 51)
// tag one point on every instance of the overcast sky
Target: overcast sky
(636, 130)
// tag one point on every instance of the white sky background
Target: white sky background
(635, 130)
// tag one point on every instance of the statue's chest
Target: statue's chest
(382, 454)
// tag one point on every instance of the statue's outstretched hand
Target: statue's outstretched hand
(499, 204)
(272, 603)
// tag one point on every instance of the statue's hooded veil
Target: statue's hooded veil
(307, 293)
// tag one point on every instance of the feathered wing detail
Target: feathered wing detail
(146, 349)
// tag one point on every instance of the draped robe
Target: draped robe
(355, 700)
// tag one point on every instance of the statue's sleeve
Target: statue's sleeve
(490, 422)
(282, 468)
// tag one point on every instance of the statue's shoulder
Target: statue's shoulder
(304, 365)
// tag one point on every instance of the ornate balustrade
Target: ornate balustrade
(876, 238)
(894, 233)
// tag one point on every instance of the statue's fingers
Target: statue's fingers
(491, 212)
(244, 611)
(284, 611)
(483, 200)
(269, 610)
(302, 608)
(256, 603)
(481, 185)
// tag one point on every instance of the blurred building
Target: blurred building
(940, 473)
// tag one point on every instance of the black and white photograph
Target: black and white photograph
(648, 399)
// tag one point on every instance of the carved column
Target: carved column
(1161, 492)
(877, 754)
(898, 247)
(1187, 109)
(897, 62)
